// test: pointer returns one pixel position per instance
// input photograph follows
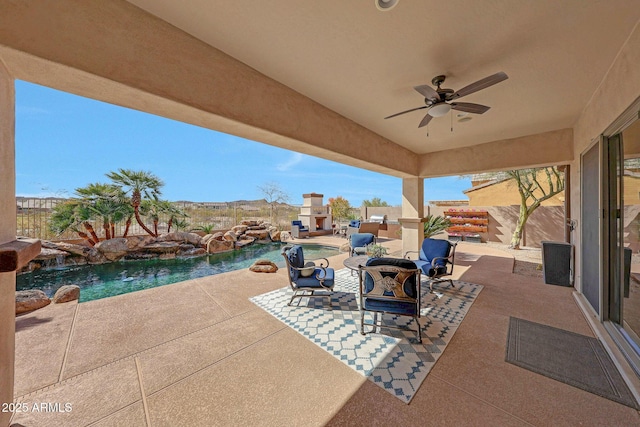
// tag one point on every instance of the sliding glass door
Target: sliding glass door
(621, 235)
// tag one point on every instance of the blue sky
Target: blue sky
(65, 141)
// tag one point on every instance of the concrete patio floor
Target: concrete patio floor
(199, 353)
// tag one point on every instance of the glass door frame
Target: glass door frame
(613, 235)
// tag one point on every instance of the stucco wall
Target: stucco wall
(619, 90)
(505, 193)
(546, 222)
(7, 234)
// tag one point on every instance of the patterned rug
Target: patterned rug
(391, 358)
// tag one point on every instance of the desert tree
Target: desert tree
(274, 195)
(340, 208)
(375, 202)
(535, 185)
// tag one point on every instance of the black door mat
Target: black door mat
(571, 358)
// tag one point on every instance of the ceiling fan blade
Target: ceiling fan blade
(479, 85)
(427, 91)
(468, 107)
(425, 121)
(408, 111)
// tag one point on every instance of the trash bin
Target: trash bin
(557, 260)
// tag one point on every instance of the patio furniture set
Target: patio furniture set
(386, 285)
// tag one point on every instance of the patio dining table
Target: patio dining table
(355, 262)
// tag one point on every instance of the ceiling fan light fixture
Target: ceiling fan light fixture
(385, 5)
(439, 110)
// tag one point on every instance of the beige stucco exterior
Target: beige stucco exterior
(505, 193)
(7, 234)
(619, 90)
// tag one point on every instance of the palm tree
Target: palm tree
(105, 201)
(434, 225)
(137, 184)
(70, 216)
(152, 209)
(172, 211)
(206, 228)
(181, 224)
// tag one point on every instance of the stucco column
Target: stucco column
(412, 214)
(7, 234)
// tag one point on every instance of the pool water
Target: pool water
(107, 280)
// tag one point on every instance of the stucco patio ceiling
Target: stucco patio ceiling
(319, 77)
(363, 63)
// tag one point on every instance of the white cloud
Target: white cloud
(31, 111)
(290, 163)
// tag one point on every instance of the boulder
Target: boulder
(185, 247)
(242, 243)
(135, 243)
(258, 234)
(215, 246)
(76, 260)
(230, 236)
(248, 222)
(66, 293)
(30, 300)
(162, 247)
(206, 238)
(239, 229)
(263, 266)
(274, 234)
(79, 250)
(218, 236)
(139, 255)
(194, 252)
(96, 257)
(46, 253)
(180, 236)
(113, 249)
(285, 236)
(48, 244)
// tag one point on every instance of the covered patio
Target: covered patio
(319, 78)
(200, 353)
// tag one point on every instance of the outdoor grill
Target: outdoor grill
(378, 218)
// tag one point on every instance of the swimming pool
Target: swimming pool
(107, 280)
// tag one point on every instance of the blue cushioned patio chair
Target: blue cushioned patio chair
(298, 230)
(306, 281)
(436, 260)
(391, 286)
(359, 242)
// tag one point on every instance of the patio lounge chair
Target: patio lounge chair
(359, 242)
(436, 260)
(392, 286)
(369, 227)
(305, 279)
(298, 230)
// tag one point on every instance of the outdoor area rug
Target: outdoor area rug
(391, 358)
(571, 358)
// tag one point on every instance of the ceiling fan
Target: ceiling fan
(438, 101)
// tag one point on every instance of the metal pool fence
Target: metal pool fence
(34, 214)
